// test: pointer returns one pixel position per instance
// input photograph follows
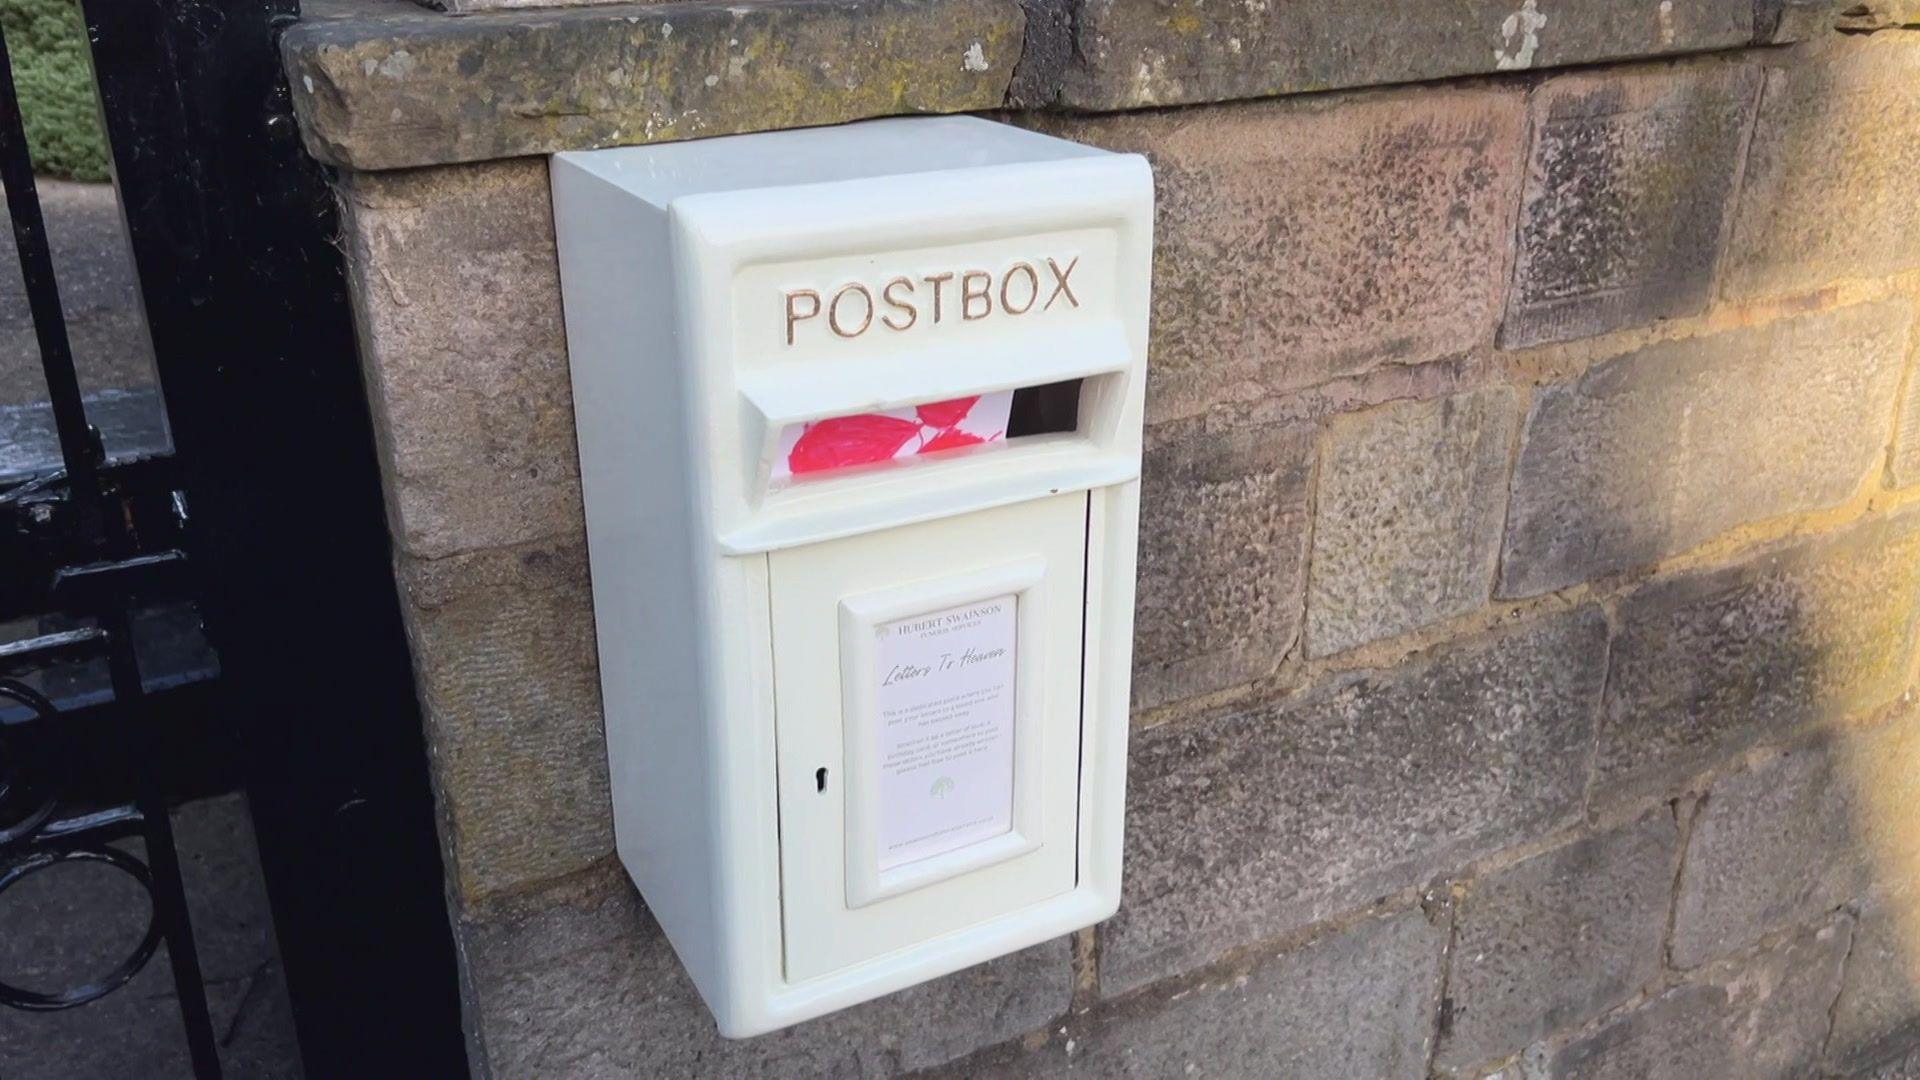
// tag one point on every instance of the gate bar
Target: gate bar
(99, 532)
(79, 443)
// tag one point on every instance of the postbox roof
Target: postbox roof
(663, 172)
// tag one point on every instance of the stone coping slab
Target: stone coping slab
(386, 84)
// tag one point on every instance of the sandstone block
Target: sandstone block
(1903, 1067)
(1879, 14)
(1761, 1016)
(1833, 174)
(505, 662)
(1708, 663)
(1553, 942)
(1136, 53)
(1356, 1002)
(1247, 825)
(1771, 847)
(1777, 21)
(1882, 762)
(1407, 516)
(1878, 1013)
(1300, 241)
(1629, 190)
(1879, 1006)
(1223, 544)
(587, 987)
(456, 294)
(1903, 464)
(377, 86)
(1653, 452)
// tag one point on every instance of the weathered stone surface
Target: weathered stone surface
(456, 295)
(1555, 941)
(1903, 463)
(1629, 191)
(1045, 50)
(1878, 1013)
(515, 83)
(504, 658)
(588, 988)
(1223, 544)
(1760, 1017)
(1407, 516)
(1707, 663)
(1243, 826)
(1299, 241)
(1832, 189)
(1771, 847)
(1882, 763)
(382, 87)
(1356, 1002)
(1879, 14)
(1777, 21)
(1904, 1067)
(1650, 453)
(1879, 1006)
(1137, 53)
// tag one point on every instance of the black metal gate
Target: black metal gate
(266, 518)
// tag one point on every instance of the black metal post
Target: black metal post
(168, 891)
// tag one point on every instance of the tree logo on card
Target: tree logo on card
(941, 787)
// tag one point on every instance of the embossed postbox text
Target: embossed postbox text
(925, 301)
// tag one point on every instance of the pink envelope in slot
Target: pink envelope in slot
(843, 442)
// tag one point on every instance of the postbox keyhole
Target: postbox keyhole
(820, 779)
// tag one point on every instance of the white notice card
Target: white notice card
(946, 729)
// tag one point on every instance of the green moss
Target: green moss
(48, 45)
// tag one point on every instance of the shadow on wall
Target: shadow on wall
(1875, 1015)
(1769, 684)
(1713, 453)
(1831, 195)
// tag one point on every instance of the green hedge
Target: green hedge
(48, 44)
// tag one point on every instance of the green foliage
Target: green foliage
(48, 44)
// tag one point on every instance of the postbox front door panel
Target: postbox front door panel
(927, 763)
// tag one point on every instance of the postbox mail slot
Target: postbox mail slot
(785, 394)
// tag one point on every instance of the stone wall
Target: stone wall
(1530, 554)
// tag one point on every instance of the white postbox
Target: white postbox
(859, 414)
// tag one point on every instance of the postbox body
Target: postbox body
(859, 415)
